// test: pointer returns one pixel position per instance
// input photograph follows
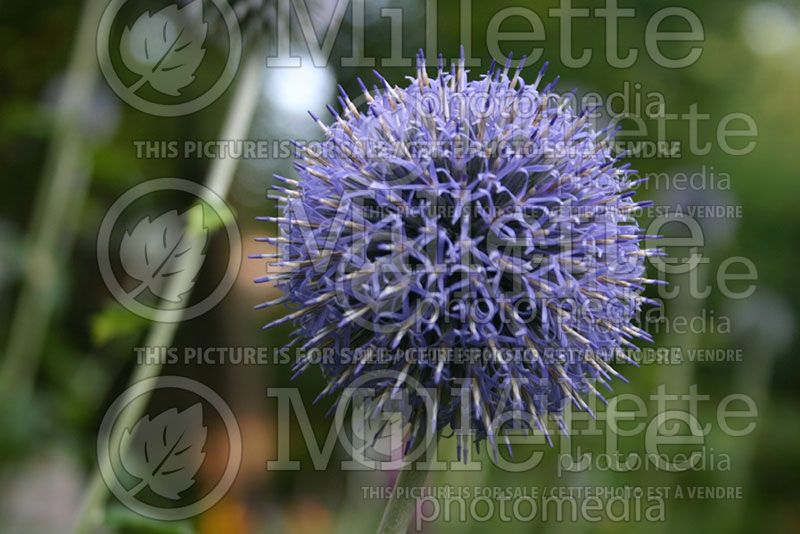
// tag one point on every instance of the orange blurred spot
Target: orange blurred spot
(308, 517)
(228, 516)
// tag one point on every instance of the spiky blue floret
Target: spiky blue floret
(479, 215)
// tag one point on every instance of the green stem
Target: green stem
(219, 179)
(65, 180)
(401, 506)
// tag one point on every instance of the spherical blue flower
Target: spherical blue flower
(475, 238)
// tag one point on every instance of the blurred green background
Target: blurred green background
(82, 357)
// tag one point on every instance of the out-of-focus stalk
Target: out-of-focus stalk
(57, 208)
(219, 179)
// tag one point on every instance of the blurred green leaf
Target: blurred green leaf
(115, 322)
(24, 421)
(124, 520)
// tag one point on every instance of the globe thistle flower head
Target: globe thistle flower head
(472, 237)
